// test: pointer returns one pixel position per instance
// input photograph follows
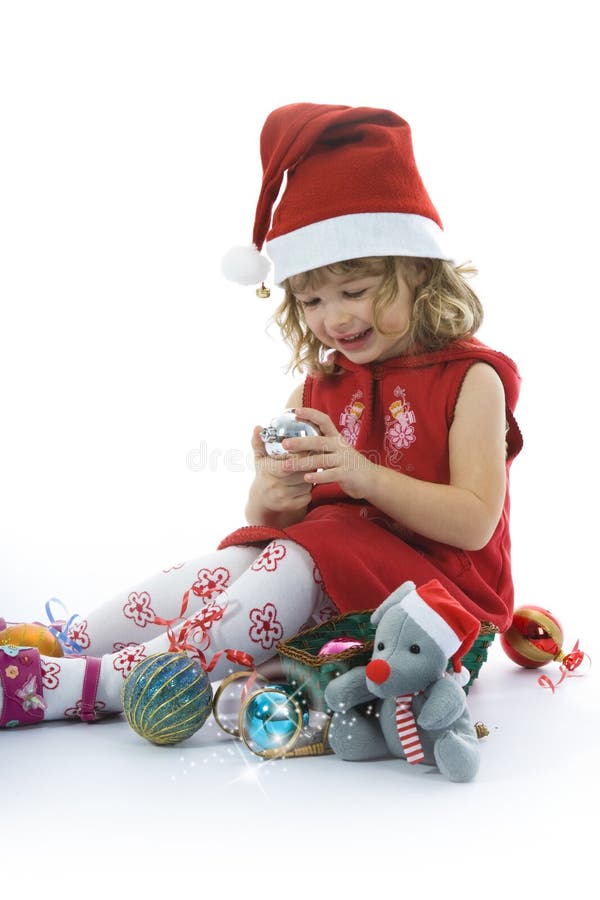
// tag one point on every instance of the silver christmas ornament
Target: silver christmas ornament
(286, 425)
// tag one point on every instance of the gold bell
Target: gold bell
(263, 292)
(481, 730)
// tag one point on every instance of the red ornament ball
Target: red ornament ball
(534, 638)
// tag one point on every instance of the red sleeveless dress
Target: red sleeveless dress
(399, 413)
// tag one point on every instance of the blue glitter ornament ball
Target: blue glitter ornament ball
(167, 697)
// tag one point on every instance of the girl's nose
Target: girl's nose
(338, 318)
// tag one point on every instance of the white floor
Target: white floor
(97, 807)
(132, 377)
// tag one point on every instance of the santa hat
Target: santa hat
(352, 190)
(449, 624)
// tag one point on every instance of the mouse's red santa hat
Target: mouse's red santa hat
(352, 190)
(447, 623)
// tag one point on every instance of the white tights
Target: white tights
(240, 598)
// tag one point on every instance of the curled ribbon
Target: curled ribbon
(574, 659)
(569, 662)
(180, 642)
(60, 628)
(174, 644)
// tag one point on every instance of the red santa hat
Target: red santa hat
(449, 624)
(352, 190)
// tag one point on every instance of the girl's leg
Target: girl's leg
(273, 598)
(129, 617)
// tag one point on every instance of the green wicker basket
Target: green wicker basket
(310, 673)
(478, 654)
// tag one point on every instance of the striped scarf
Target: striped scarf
(407, 729)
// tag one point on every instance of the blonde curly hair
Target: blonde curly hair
(445, 307)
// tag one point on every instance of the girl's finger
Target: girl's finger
(309, 463)
(322, 476)
(307, 445)
(257, 443)
(318, 418)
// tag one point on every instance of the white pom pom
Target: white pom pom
(461, 678)
(245, 265)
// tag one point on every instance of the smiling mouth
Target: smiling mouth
(356, 337)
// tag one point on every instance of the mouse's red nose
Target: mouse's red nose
(378, 671)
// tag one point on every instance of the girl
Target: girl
(408, 478)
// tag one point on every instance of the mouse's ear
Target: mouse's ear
(395, 597)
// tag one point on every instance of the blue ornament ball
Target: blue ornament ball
(271, 720)
(167, 697)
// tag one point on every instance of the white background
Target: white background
(129, 163)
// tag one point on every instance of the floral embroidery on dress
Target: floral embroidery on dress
(399, 427)
(266, 630)
(350, 418)
(139, 609)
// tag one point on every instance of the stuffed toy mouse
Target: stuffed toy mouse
(418, 710)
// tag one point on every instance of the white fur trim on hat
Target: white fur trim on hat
(352, 237)
(429, 620)
(245, 265)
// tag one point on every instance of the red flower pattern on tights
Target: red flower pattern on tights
(173, 568)
(127, 658)
(50, 672)
(266, 630)
(269, 558)
(74, 712)
(211, 582)
(78, 633)
(138, 607)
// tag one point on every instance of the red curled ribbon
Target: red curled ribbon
(570, 662)
(174, 645)
(574, 659)
(178, 643)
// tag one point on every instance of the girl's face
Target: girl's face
(339, 312)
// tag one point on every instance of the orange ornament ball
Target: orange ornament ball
(32, 636)
(534, 638)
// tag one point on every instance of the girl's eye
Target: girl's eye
(309, 304)
(355, 295)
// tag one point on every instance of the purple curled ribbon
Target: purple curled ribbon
(60, 628)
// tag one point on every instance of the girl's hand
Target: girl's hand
(277, 496)
(329, 458)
